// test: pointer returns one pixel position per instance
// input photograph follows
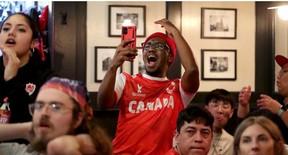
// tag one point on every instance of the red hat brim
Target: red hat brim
(281, 60)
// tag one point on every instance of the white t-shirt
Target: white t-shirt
(15, 149)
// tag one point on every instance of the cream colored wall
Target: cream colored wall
(244, 43)
(97, 31)
(281, 41)
(97, 35)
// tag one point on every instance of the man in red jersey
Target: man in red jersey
(149, 103)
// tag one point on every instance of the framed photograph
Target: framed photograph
(103, 57)
(127, 15)
(138, 65)
(218, 23)
(218, 64)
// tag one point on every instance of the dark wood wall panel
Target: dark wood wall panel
(69, 55)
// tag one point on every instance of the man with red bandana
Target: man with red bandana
(149, 103)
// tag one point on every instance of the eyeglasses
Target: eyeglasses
(215, 104)
(53, 107)
(157, 46)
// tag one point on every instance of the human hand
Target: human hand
(169, 27)
(123, 53)
(266, 102)
(11, 63)
(71, 145)
(244, 96)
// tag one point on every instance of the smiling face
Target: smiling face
(16, 34)
(194, 139)
(156, 62)
(255, 140)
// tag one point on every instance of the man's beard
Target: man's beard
(39, 142)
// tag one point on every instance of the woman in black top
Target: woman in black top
(22, 72)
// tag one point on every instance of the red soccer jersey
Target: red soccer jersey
(148, 110)
(172, 152)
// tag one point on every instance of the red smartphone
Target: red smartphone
(129, 32)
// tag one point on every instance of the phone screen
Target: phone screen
(129, 32)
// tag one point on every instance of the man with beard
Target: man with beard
(275, 110)
(149, 103)
(62, 123)
(193, 134)
(220, 103)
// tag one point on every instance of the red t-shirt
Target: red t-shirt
(148, 110)
(172, 152)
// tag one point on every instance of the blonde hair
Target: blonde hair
(268, 125)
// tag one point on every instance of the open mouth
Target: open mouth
(152, 58)
(10, 41)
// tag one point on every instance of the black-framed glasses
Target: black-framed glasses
(53, 107)
(215, 104)
(156, 45)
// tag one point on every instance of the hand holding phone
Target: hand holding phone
(129, 32)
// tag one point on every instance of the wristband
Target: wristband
(282, 109)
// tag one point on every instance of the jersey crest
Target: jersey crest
(30, 88)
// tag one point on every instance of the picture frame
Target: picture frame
(137, 66)
(103, 57)
(218, 64)
(218, 23)
(119, 13)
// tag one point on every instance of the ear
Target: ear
(79, 120)
(170, 58)
(176, 137)
(231, 113)
(280, 146)
(34, 43)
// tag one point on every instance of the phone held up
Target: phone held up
(129, 32)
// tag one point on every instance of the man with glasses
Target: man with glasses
(149, 103)
(220, 103)
(276, 110)
(62, 123)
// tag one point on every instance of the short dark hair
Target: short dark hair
(220, 94)
(195, 113)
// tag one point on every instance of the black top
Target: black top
(274, 117)
(30, 76)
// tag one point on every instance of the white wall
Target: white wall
(97, 35)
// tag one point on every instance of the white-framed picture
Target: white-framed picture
(218, 64)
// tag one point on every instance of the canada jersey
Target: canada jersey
(147, 116)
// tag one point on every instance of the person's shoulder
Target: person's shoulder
(172, 152)
(16, 148)
(227, 135)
